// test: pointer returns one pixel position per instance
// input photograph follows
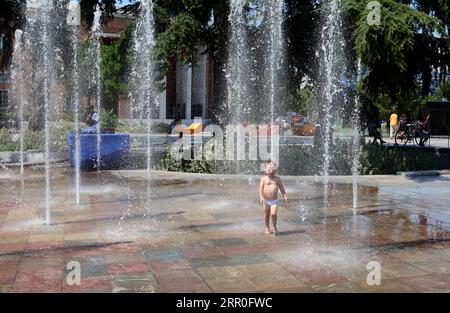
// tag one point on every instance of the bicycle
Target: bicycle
(421, 137)
(411, 133)
(405, 133)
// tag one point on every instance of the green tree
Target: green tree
(395, 52)
(302, 22)
(115, 65)
(11, 18)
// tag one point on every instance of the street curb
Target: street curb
(424, 173)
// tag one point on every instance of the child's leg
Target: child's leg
(273, 213)
(267, 218)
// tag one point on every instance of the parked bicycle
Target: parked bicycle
(405, 134)
(414, 133)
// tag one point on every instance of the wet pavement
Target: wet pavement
(198, 233)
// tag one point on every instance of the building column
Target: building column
(209, 85)
(162, 102)
(188, 91)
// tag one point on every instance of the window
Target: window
(4, 105)
(4, 77)
(2, 43)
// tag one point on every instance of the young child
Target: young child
(268, 196)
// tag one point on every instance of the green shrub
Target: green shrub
(58, 134)
(108, 119)
(377, 160)
(35, 140)
(142, 128)
(170, 163)
(6, 142)
(160, 128)
(306, 160)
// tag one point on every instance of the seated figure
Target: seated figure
(92, 123)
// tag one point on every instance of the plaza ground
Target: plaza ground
(173, 232)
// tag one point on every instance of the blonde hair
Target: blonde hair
(271, 165)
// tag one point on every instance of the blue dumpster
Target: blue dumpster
(114, 150)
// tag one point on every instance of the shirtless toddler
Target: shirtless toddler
(268, 196)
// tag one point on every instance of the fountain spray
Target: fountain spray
(143, 94)
(331, 34)
(46, 41)
(95, 33)
(276, 50)
(39, 18)
(356, 143)
(237, 62)
(18, 92)
(74, 20)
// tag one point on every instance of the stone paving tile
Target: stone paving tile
(136, 283)
(95, 283)
(77, 228)
(436, 267)
(168, 255)
(245, 249)
(165, 266)
(301, 289)
(227, 242)
(268, 276)
(401, 270)
(43, 245)
(127, 268)
(91, 270)
(210, 261)
(219, 246)
(251, 258)
(429, 283)
(181, 281)
(228, 279)
(5, 288)
(386, 286)
(202, 250)
(38, 280)
(31, 262)
(346, 287)
(314, 274)
(8, 272)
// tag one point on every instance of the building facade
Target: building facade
(188, 88)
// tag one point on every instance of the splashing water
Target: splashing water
(276, 51)
(331, 43)
(356, 145)
(237, 63)
(40, 47)
(143, 96)
(95, 32)
(76, 103)
(18, 92)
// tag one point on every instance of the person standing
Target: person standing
(393, 123)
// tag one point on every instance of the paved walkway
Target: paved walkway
(198, 233)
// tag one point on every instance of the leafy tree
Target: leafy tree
(11, 18)
(88, 8)
(302, 21)
(115, 65)
(395, 52)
